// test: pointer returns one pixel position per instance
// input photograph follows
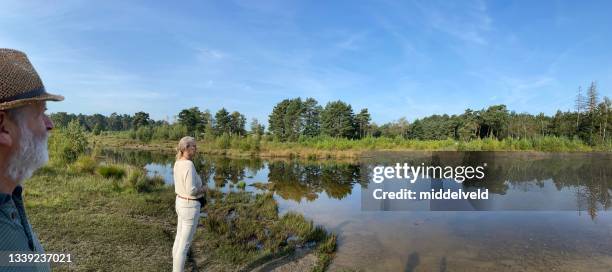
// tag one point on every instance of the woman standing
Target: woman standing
(189, 189)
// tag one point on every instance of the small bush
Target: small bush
(85, 164)
(144, 134)
(111, 171)
(223, 142)
(134, 176)
(329, 245)
(67, 144)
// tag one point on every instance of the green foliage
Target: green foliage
(134, 176)
(337, 120)
(256, 127)
(111, 171)
(85, 164)
(109, 222)
(97, 130)
(143, 133)
(362, 123)
(222, 122)
(148, 184)
(247, 228)
(242, 230)
(223, 142)
(141, 119)
(67, 144)
(192, 119)
(169, 132)
(494, 121)
(237, 123)
(293, 120)
(547, 143)
(311, 118)
(286, 119)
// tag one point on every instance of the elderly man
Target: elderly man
(24, 129)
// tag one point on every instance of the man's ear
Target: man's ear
(5, 137)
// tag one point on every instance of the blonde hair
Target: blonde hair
(183, 145)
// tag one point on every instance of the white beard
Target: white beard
(32, 155)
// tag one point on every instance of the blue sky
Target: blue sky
(396, 58)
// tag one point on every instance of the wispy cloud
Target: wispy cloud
(352, 41)
(206, 55)
(471, 25)
(398, 58)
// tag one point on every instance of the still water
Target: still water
(553, 210)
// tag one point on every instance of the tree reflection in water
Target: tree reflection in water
(297, 181)
(588, 174)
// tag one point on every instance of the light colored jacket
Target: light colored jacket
(187, 182)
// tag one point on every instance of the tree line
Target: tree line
(297, 118)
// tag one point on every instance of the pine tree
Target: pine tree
(222, 124)
(237, 123)
(191, 119)
(311, 118)
(285, 121)
(140, 119)
(362, 121)
(337, 120)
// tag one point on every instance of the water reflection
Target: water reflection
(330, 193)
(516, 181)
(582, 179)
(298, 181)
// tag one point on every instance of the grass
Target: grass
(318, 148)
(127, 222)
(111, 171)
(84, 164)
(104, 228)
(245, 231)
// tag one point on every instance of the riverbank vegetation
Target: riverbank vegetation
(303, 127)
(339, 148)
(115, 217)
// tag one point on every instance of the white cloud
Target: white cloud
(471, 25)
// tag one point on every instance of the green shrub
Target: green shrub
(143, 134)
(134, 176)
(85, 164)
(67, 144)
(161, 132)
(176, 132)
(329, 245)
(111, 171)
(223, 141)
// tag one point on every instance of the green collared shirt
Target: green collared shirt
(16, 233)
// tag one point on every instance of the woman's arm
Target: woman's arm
(192, 186)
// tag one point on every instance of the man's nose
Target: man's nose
(48, 123)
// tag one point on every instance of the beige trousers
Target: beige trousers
(188, 212)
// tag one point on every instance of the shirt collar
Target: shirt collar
(5, 198)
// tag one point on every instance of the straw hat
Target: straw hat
(20, 85)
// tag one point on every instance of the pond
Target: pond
(546, 211)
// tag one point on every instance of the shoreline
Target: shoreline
(127, 223)
(292, 150)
